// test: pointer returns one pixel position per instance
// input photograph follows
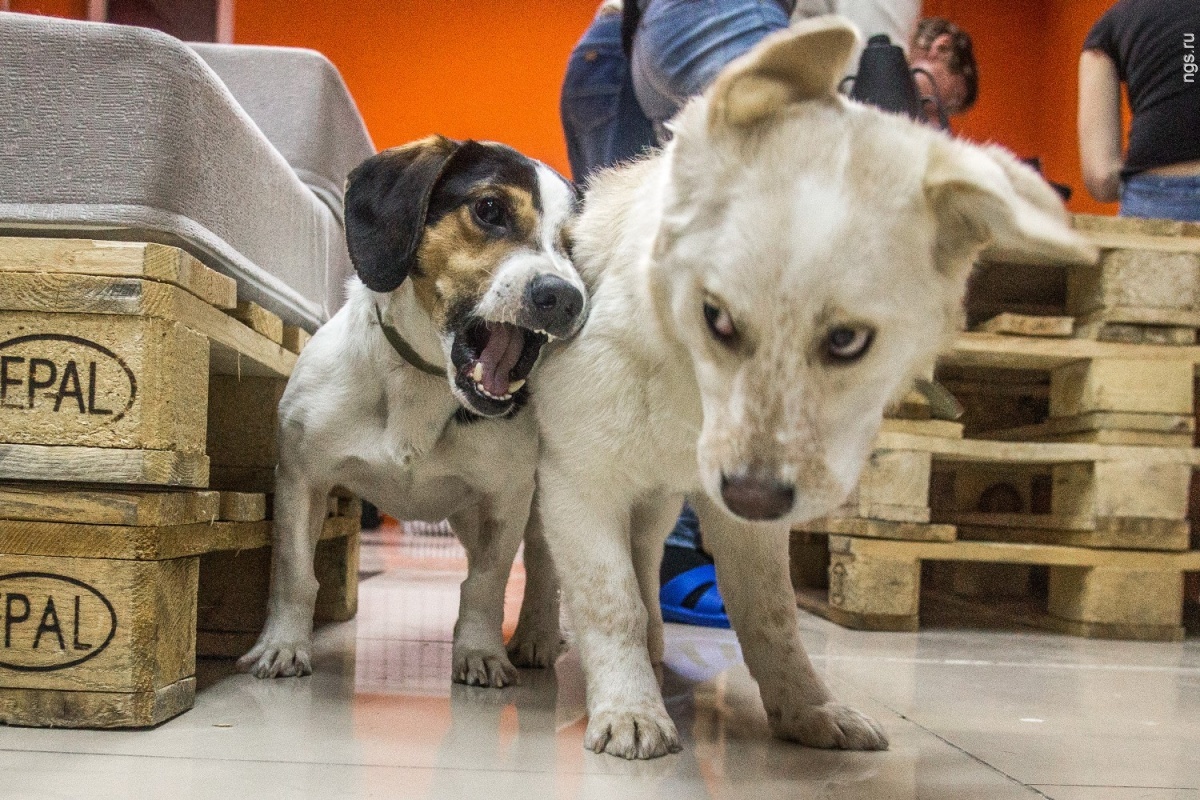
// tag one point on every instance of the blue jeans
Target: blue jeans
(1159, 197)
(681, 45)
(601, 118)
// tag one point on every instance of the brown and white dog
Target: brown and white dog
(411, 395)
(761, 290)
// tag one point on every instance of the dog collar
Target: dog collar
(404, 349)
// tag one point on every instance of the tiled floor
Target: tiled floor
(970, 715)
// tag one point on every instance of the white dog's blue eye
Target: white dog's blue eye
(848, 344)
(720, 323)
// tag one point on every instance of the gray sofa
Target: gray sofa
(235, 153)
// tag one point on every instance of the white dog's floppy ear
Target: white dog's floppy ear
(804, 62)
(987, 202)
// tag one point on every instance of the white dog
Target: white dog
(760, 291)
(411, 395)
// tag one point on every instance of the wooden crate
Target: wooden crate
(101, 591)
(874, 584)
(1145, 289)
(106, 355)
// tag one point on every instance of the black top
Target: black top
(1156, 47)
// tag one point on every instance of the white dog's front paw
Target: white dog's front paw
(831, 726)
(535, 646)
(270, 658)
(646, 733)
(483, 667)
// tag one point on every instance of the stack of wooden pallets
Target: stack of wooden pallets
(137, 413)
(1061, 499)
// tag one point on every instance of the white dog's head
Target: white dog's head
(812, 259)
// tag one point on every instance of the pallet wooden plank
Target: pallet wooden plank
(118, 259)
(66, 503)
(1011, 553)
(24, 462)
(97, 624)
(258, 319)
(1154, 430)
(243, 506)
(1099, 223)
(1028, 325)
(993, 351)
(68, 540)
(96, 380)
(1128, 533)
(878, 529)
(295, 338)
(59, 709)
(1126, 386)
(987, 450)
(235, 348)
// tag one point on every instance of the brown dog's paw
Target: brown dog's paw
(830, 726)
(632, 734)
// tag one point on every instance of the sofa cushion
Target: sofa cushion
(126, 133)
(299, 101)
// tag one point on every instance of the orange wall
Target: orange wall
(487, 69)
(75, 9)
(492, 68)
(1028, 53)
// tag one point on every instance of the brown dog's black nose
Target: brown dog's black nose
(757, 497)
(555, 304)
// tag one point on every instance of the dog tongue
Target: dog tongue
(500, 355)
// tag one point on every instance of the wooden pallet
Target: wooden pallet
(102, 589)
(1145, 289)
(874, 584)
(106, 354)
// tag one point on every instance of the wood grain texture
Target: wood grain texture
(119, 626)
(48, 708)
(23, 462)
(65, 503)
(258, 319)
(118, 259)
(145, 543)
(100, 380)
(295, 338)
(1028, 325)
(243, 506)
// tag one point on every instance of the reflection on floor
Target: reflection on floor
(970, 715)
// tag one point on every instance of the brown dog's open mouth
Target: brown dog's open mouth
(492, 361)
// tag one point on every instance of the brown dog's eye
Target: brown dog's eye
(491, 212)
(845, 344)
(720, 323)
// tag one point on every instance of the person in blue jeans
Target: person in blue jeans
(601, 118)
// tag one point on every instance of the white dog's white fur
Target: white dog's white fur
(357, 415)
(794, 213)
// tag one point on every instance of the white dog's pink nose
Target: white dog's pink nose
(757, 496)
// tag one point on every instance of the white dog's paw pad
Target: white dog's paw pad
(832, 726)
(631, 734)
(483, 668)
(538, 651)
(277, 660)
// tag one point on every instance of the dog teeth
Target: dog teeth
(515, 386)
(477, 373)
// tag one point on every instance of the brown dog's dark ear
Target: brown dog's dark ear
(387, 197)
